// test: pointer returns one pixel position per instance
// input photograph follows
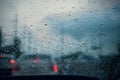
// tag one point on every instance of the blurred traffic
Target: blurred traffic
(36, 64)
(8, 64)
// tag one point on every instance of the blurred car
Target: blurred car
(33, 64)
(7, 64)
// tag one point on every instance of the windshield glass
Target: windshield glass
(66, 37)
(35, 56)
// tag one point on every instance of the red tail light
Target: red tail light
(55, 68)
(14, 68)
(12, 61)
(35, 60)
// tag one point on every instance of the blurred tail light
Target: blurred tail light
(35, 60)
(55, 68)
(14, 68)
(12, 61)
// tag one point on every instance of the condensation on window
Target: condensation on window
(62, 27)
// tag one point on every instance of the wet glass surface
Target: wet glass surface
(66, 37)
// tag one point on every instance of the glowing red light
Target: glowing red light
(14, 68)
(55, 68)
(35, 60)
(12, 61)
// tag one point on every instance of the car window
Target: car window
(79, 37)
(42, 57)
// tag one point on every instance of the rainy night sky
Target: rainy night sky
(62, 26)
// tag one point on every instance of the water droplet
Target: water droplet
(73, 7)
(89, 1)
(61, 7)
(91, 11)
(101, 25)
(75, 19)
(69, 14)
(82, 8)
(106, 10)
(45, 24)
